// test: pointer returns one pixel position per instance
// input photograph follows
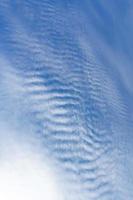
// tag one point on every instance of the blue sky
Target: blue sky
(66, 84)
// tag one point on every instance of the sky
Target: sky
(66, 99)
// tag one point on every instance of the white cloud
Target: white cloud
(24, 175)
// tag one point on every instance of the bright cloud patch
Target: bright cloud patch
(25, 176)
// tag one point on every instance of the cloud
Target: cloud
(24, 174)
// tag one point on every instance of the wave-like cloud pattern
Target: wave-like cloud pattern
(65, 80)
